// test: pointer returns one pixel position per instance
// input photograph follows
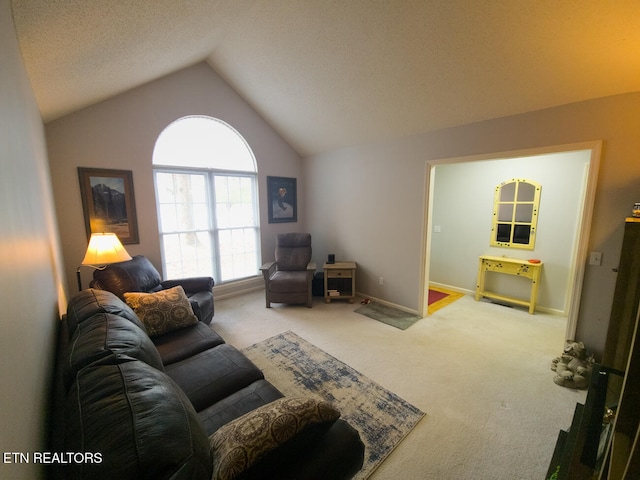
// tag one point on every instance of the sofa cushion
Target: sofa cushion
(138, 421)
(241, 443)
(88, 302)
(289, 282)
(214, 374)
(104, 334)
(186, 342)
(162, 311)
(237, 404)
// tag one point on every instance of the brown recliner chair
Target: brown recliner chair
(289, 278)
(139, 275)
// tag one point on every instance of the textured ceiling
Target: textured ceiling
(334, 73)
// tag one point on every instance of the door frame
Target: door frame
(583, 228)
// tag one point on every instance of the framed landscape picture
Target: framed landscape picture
(282, 201)
(109, 203)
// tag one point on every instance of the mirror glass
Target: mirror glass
(508, 192)
(524, 212)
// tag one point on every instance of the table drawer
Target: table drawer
(339, 273)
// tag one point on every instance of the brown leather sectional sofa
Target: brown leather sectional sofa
(129, 406)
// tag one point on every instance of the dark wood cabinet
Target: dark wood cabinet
(625, 300)
(595, 447)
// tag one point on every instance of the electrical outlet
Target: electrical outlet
(381, 281)
(595, 258)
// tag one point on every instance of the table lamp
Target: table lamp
(103, 249)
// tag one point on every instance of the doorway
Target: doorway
(556, 159)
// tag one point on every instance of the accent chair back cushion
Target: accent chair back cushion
(293, 251)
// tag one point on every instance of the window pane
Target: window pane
(505, 212)
(187, 255)
(168, 218)
(203, 142)
(238, 253)
(524, 212)
(504, 232)
(508, 192)
(526, 192)
(234, 202)
(182, 202)
(521, 233)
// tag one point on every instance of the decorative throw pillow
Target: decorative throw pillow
(162, 311)
(242, 442)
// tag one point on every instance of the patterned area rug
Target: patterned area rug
(389, 315)
(441, 297)
(296, 367)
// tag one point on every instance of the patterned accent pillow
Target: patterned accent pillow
(242, 442)
(162, 311)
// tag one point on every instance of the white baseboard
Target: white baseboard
(388, 304)
(240, 287)
(452, 288)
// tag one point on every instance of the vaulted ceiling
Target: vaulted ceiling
(333, 73)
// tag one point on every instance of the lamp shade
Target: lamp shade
(105, 248)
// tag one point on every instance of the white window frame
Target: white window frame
(213, 229)
(225, 148)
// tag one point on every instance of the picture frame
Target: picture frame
(109, 203)
(282, 198)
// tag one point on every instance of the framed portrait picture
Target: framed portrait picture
(282, 201)
(109, 203)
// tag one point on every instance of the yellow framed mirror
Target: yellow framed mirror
(515, 214)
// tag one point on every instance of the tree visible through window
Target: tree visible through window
(515, 214)
(205, 180)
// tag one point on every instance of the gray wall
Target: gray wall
(120, 133)
(463, 209)
(367, 203)
(31, 289)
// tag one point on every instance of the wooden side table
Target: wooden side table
(340, 281)
(509, 266)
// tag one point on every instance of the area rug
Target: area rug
(440, 298)
(296, 367)
(389, 315)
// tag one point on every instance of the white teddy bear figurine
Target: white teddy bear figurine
(573, 368)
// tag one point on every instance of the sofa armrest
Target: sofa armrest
(190, 285)
(337, 453)
(297, 439)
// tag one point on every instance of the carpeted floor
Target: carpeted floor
(480, 371)
(298, 368)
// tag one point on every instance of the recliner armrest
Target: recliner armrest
(190, 285)
(268, 268)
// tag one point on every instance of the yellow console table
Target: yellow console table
(509, 266)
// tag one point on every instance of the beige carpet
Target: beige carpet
(480, 370)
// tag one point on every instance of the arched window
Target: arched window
(205, 180)
(515, 214)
